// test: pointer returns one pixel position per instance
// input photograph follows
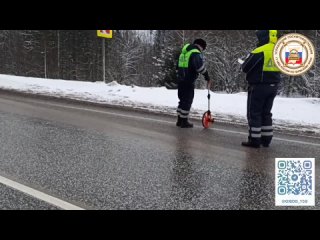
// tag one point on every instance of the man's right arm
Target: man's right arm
(199, 65)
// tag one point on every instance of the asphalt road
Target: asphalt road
(105, 158)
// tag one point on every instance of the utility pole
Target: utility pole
(45, 58)
(58, 36)
(104, 59)
(45, 63)
(104, 34)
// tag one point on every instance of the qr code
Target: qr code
(295, 177)
(294, 182)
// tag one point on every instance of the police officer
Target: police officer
(263, 78)
(190, 65)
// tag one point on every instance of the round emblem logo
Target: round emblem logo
(294, 54)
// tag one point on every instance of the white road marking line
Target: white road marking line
(274, 138)
(296, 141)
(39, 195)
(164, 121)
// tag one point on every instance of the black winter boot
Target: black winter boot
(185, 123)
(179, 122)
(265, 141)
(251, 143)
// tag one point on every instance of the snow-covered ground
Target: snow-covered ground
(293, 113)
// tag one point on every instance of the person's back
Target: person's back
(259, 66)
(190, 61)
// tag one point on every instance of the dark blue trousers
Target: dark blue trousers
(185, 95)
(259, 106)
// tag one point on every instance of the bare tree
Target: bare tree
(144, 58)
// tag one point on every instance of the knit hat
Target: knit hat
(201, 42)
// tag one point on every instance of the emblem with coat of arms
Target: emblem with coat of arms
(294, 54)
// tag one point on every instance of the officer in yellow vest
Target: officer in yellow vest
(191, 64)
(263, 78)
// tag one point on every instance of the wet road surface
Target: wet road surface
(105, 158)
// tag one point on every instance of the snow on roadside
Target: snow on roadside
(291, 113)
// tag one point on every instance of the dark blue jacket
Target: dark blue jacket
(196, 66)
(253, 66)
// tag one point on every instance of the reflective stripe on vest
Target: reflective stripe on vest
(185, 56)
(268, 64)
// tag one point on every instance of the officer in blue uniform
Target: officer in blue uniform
(263, 78)
(190, 65)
